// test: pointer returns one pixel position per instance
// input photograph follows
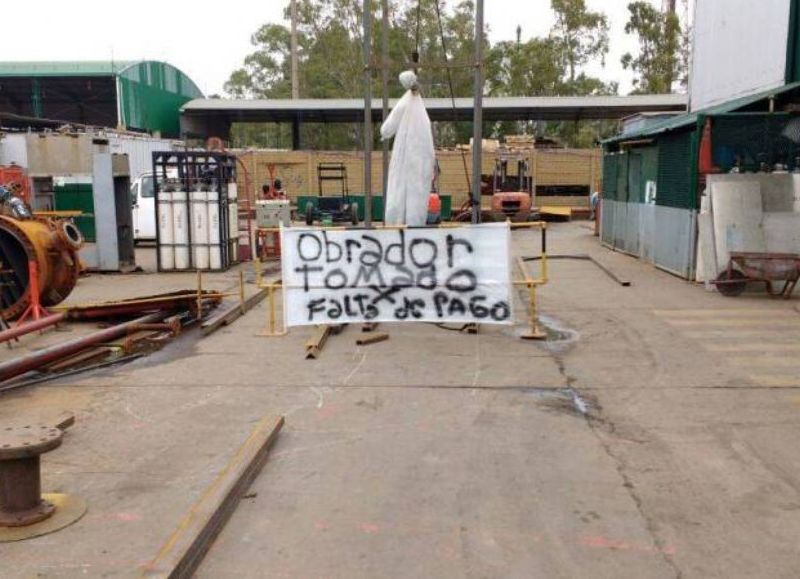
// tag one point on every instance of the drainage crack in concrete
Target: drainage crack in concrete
(594, 421)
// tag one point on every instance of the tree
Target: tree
(526, 68)
(685, 53)
(580, 34)
(659, 62)
(331, 65)
(331, 61)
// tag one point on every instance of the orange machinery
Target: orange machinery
(512, 195)
(15, 179)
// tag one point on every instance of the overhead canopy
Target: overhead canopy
(213, 117)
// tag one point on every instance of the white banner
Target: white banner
(415, 275)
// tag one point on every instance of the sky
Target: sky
(208, 44)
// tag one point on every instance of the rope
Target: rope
(450, 85)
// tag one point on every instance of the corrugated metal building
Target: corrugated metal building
(142, 96)
(653, 178)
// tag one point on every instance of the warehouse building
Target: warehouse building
(744, 99)
(143, 96)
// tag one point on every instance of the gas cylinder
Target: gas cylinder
(166, 237)
(214, 238)
(233, 221)
(199, 204)
(180, 229)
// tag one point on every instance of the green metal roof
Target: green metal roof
(690, 119)
(64, 68)
(144, 95)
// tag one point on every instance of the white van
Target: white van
(143, 198)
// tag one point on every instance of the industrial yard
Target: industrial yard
(459, 289)
(564, 461)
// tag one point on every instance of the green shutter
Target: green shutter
(753, 139)
(610, 176)
(675, 187)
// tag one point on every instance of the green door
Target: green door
(74, 196)
(635, 186)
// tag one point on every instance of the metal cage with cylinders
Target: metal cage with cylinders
(197, 210)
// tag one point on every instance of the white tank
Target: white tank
(214, 238)
(166, 239)
(796, 188)
(233, 221)
(180, 229)
(199, 203)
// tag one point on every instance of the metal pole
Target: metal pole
(30, 327)
(477, 119)
(367, 113)
(17, 366)
(385, 88)
(295, 79)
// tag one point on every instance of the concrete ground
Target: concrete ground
(653, 438)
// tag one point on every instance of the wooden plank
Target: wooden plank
(316, 342)
(232, 313)
(65, 420)
(554, 211)
(183, 552)
(373, 339)
(550, 167)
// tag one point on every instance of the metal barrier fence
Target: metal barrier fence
(275, 328)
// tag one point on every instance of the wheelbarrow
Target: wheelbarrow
(746, 267)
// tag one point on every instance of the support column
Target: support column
(296, 144)
(477, 119)
(36, 98)
(367, 113)
(385, 90)
(295, 77)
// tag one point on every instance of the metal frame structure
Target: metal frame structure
(477, 107)
(202, 118)
(191, 167)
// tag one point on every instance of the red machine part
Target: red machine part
(15, 179)
(706, 161)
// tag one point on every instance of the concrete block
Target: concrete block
(782, 232)
(738, 214)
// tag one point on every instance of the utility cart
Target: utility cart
(746, 267)
(332, 209)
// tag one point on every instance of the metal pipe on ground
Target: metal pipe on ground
(35, 360)
(585, 257)
(30, 327)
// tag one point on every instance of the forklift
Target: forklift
(329, 210)
(512, 195)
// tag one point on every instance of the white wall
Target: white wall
(140, 150)
(14, 149)
(61, 155)
(739, 49)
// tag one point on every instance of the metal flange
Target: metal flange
(21, 501)
(68, 510)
